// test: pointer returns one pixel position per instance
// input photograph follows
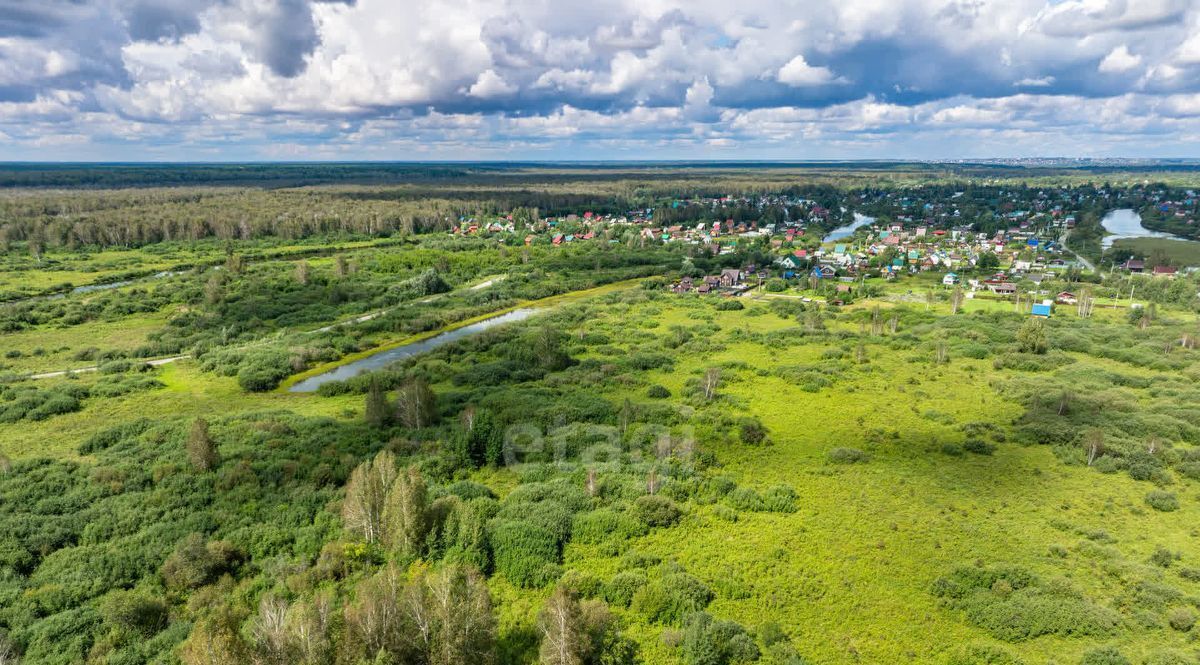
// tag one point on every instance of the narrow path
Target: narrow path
(154, 362)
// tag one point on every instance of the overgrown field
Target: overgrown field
(731, 480)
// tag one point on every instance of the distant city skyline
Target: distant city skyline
(530, 80)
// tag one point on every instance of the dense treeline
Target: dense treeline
(41, 220)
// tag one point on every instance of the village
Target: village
(998, 243)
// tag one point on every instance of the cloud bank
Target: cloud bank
(574, 79)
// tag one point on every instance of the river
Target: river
(848, 230)
(1126, 223)
(388, 356)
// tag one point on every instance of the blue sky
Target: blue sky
(597, 79)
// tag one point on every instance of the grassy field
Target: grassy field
(849, 574)
(188, 393)
(1181, 253)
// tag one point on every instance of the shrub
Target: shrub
(752, 431)
(656, 511)
(725, 513)
(1189, 470)
(134, 612)
(1182, 619)
(708, 641)
(745, 498)
(1162, 557)
(195, 563)
(526, 554)
(1014, 605)
(780, 499)
(1162, 500)
(952, 450)
(847, 456)
(1104, 656)
(670, 599)
(658, 392)
(623, 586)
(604, 524)
(729, 305)
(260, 378)
(1031, 338)
(582, 585)
(978, 446)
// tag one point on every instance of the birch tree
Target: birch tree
(366, 495)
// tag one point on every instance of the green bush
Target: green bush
(581, 584)
(779, 499)
(729, 305)
(605, 524)
(1014, 605)
(847, 456)
(978, 446)
(1182, 619)
(1162, 500)
(672, 598)
(745, 499)
(1104, 656)
(658, 392)
(725, 513)
(656, 511)
(708, 641)
(623, 586)
(751, 431)
(195, 563)
(1162, 557)
(134, 612)
(526, 554)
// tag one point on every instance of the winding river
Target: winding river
(388, 356)
(848, 230)
(1127, 223)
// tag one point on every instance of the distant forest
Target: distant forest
(295, 174)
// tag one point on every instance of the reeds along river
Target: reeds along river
(388, 356)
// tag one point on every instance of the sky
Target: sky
(236, 80)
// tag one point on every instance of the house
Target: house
(950, 279)
(792, 261)
(844, 288)
(1042, 311)
(731, 277)
(1164, 271)
(685, 285)
(1003, 288)
(1066, 298)
(1134, 265)
(824, 272)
